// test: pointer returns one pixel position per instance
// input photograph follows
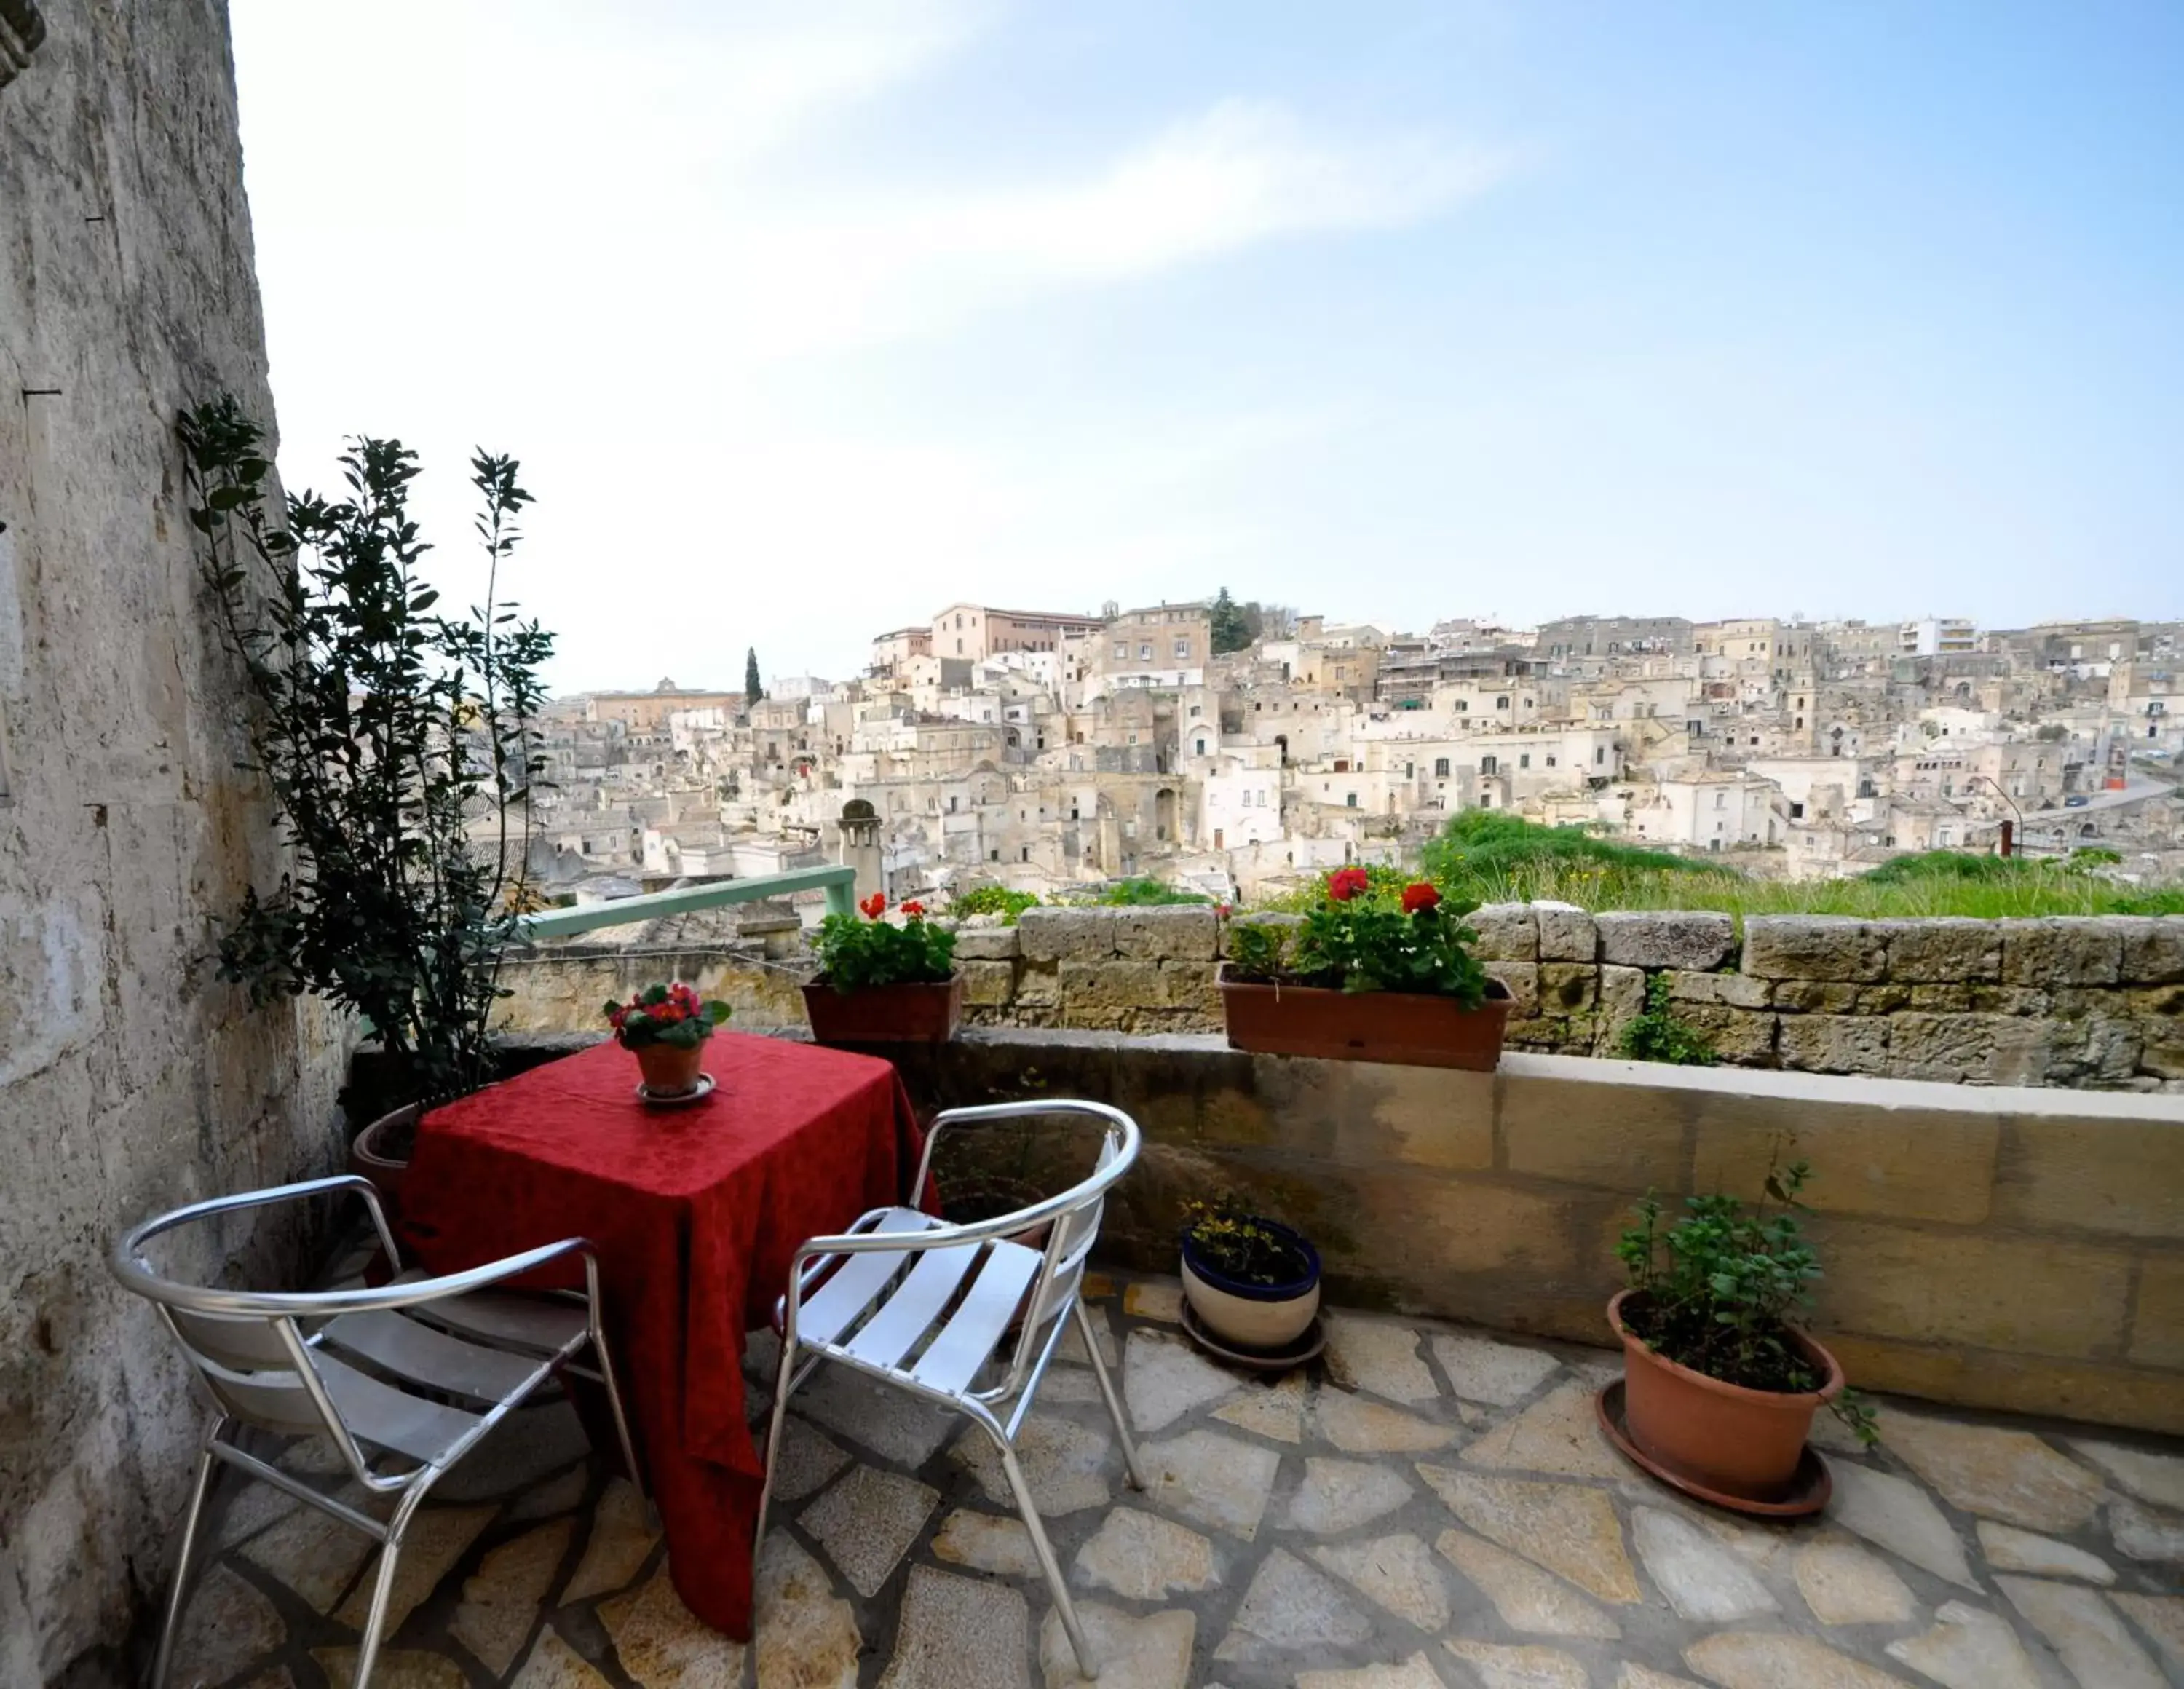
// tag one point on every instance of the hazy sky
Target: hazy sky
(807, 318)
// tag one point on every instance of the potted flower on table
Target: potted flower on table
(1373, 974)
(881, 982)
(666, 1027)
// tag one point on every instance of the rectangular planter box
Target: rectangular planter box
(1402, 1027)
(885, 1014)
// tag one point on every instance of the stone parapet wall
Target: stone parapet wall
(2005, 1248)
(2093, 1003)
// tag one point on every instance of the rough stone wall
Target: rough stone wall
(129, 1081)
(564, 988)
(2008, 1248)
(2091, 1004)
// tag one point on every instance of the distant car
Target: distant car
(2078, 802)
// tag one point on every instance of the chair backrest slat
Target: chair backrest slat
(243, 1343)
(270, 1399)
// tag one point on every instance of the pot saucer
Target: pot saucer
(1312, 1341)
(1809, 1488)
(697, 1093)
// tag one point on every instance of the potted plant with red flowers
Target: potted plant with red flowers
(1373, 973)
(666, 1027)
(882, 981)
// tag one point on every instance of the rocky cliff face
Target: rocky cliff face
(129, 1080)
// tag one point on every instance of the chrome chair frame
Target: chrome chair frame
(1047, 1301)
(289, 1384)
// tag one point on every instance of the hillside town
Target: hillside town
(1233, 748)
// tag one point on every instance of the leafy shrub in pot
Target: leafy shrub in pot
(1721, 1383)
(1253, 1282)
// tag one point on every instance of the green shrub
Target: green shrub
(994, 900)
(1144, 892)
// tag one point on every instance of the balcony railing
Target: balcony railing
(836, 880)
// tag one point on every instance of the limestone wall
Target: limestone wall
(2095, 1003)
(129, 1080)
(2003, 1247)
(2091, 1004)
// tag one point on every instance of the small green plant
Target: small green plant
(856, 954)
(994, 899)
(1239, 1244)
(1144, 892)
(1659, 1035)
(666, 1014)
(1720, 1290)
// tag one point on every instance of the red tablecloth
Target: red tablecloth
(695, 1212)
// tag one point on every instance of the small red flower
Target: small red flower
(1223, 911)
(874, 906)
(1345, 884)
(914, 909)
(1419, 895)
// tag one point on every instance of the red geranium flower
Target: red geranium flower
(874, 906)
(914, 909)
(1345, 884)
(1419, 895)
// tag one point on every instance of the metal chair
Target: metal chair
(404, 1379)
(908, 1300)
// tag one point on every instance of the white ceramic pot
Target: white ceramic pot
(1253, 1315)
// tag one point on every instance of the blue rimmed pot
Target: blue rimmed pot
(1269, 1318)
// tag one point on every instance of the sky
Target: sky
(807, 318)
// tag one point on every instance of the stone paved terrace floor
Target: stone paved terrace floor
(1431, 1506)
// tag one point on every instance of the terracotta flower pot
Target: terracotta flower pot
(1404, 1027)
(885, 1014)
(1743, 1443)
(372, 1153)
(1253, 1316)
(670, 1069)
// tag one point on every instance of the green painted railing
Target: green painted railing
(836, 880)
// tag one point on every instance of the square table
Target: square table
(695, 1212)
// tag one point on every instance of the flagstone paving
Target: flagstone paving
(1425, 1507)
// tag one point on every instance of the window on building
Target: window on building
(1524, 759)
(1441, 768)
(1501, 703)
(1463, 706)
(1145, 651)
(1721, 800)
(1195, 710)
(1182, 649)
(1121, 651)
(1599, 753)
(1551, 759)
(1350, 801)
(1796, 811)
(1489, 765)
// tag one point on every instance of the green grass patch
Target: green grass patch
(1496, 857)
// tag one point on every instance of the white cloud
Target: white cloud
(1241, 173)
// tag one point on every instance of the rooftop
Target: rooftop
(1429, 1505)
